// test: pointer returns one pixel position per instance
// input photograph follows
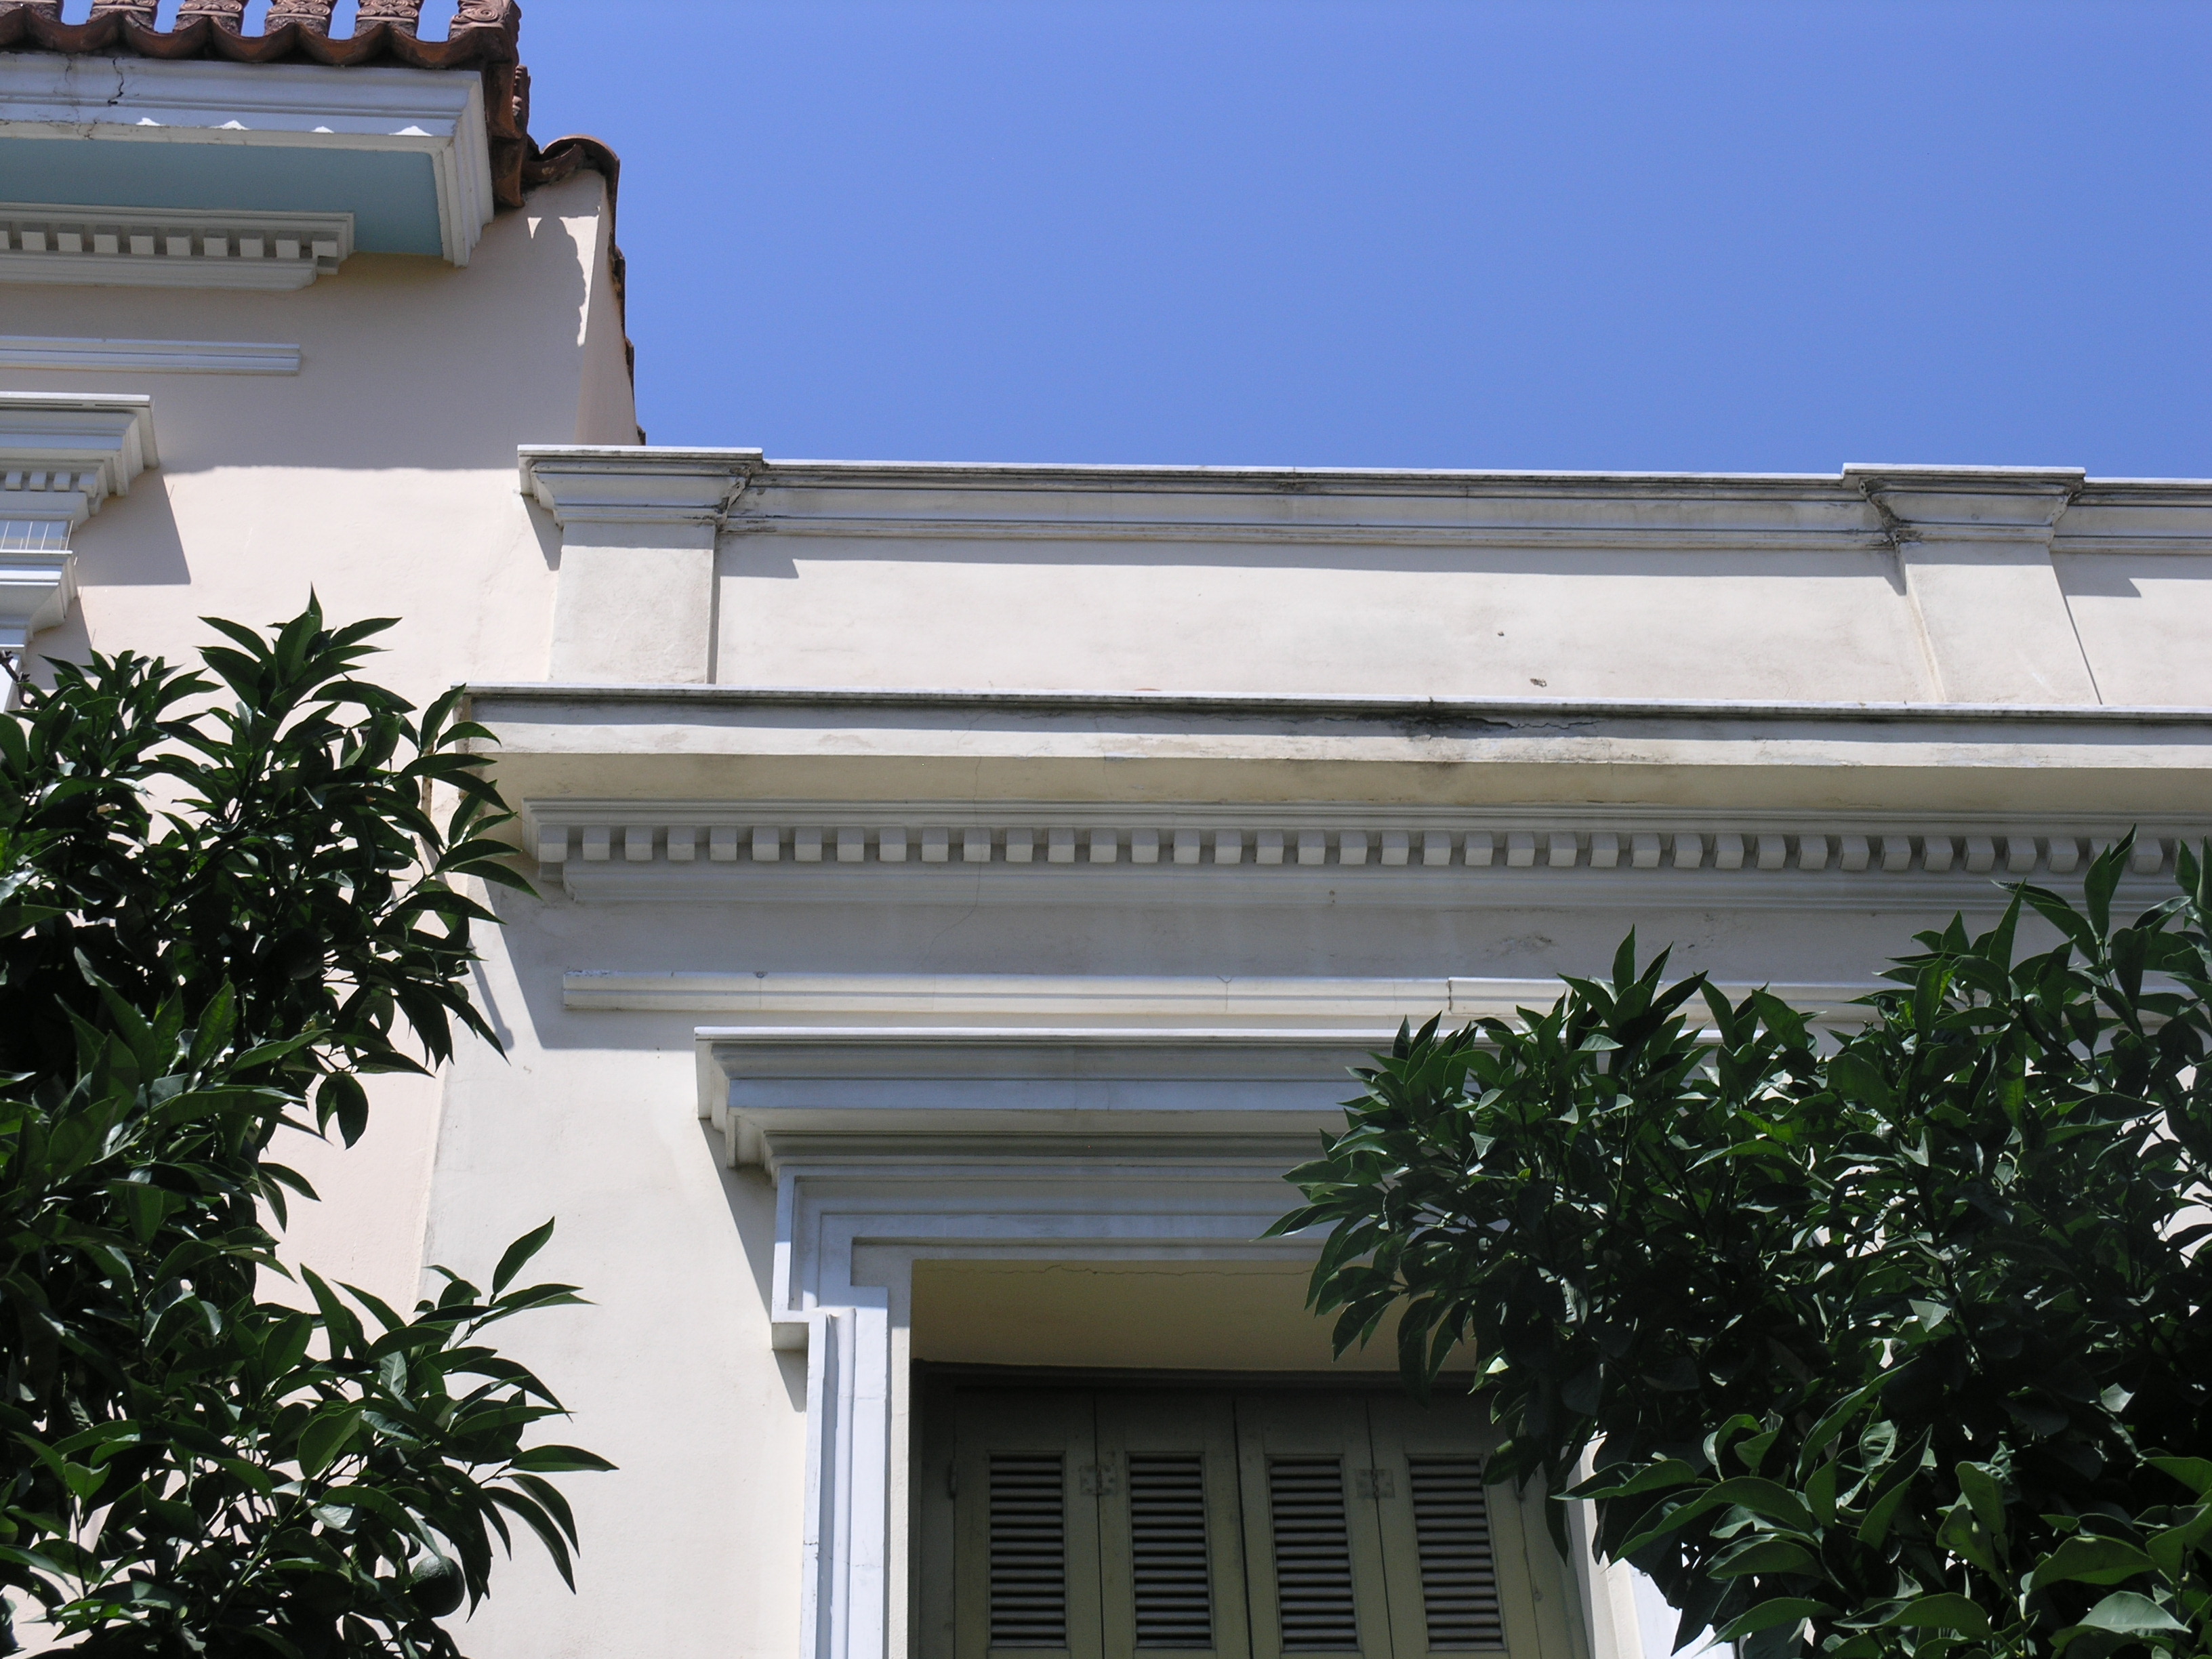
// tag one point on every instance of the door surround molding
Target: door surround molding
(895, 1172)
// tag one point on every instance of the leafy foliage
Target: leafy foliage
(216, 913)
(1899, 1345)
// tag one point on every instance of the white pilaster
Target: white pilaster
(60, 458)
(1974, 547)
(635, 602)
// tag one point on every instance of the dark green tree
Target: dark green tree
(1895, 1343)
(223, 901)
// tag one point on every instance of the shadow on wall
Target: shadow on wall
(2104, 578)
(770, 556)
(751, 1198)
(133, 543)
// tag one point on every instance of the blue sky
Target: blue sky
(1759, 237)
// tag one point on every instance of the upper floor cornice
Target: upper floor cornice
(1860, 506)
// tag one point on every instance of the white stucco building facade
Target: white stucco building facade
(963, 887)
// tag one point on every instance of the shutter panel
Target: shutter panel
(1026, 1529)
(1028, 1560)
(1169, 1542)
(1471, 1566)
(1459, 1573)
(1171, 1588)
(1313, 1549)
(1306, 1513)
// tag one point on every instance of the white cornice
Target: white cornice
(60, 457)
(1862, 506)
(984, 1089)
(1293, 706)
(437, 113)
(143, 357)
(634, 486)
(1968, 504)
(1135, 854)
(169, 247)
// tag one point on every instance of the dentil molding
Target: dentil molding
(170, 248)
(897, 852)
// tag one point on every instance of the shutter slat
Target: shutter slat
(1029, 1550)
(1313, 1555)
(1167, 1547)
(1459, 1575)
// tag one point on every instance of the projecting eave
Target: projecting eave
(203, 159)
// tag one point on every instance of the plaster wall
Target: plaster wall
(382, 474)
(382, 478)
(2143, 619)
(693, 1546)
(1190, 617)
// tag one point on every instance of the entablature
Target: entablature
(1965, 586)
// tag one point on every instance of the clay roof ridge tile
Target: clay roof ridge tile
(483, 32)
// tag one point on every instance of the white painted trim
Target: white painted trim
(435, 112)
(142, 357)
(465, 203)
(597, 486)
(1000, 999)
(61, 456)
(169, 247)
(58, 443)
(1371, 1008)
(787, 1092)
(1212, 1206)
(91, 272)
(977, 1181)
